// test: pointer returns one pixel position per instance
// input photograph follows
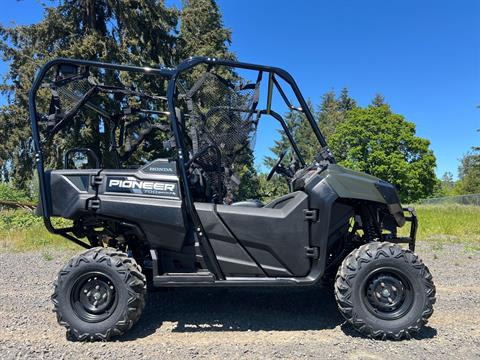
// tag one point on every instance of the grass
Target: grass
(438, 225)
(47, 256)
(443, 224)
(20, 230)
(33, 238)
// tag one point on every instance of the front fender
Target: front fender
(349, 184)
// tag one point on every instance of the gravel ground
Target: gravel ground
(239, 323)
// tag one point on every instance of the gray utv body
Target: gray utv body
(171, 217)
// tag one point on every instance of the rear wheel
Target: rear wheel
(385, 291)
(99, 294)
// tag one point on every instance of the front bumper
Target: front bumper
(413, 220)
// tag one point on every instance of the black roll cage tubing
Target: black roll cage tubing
(44, 200)
(172, 76)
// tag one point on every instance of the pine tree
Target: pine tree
(345, 102)
(139, 32)
(304, 136)
(292, 120)
(329, 114)
(202, 32)
(333, 110)
(447, 179)
(378, 100)
(306, 141)
(469, 173)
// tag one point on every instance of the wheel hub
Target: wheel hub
(388, 294)
(94, 297)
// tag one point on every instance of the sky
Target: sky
(423, 56)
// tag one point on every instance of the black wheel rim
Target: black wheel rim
(387, 293)
(94, 297)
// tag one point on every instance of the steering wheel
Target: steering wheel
(277, 164)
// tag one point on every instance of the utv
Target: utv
(147, 164)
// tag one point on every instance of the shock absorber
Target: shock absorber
(369, 230)
(370, 226)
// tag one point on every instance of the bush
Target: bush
(9, 193)
(18, 219)
(21, 230)
(22, 219)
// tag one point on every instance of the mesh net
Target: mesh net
(222, 127)
(220, 120)
(105, 111)
(72, 92)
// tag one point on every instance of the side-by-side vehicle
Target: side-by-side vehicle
(148, 164)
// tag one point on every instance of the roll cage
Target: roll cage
(171, 76)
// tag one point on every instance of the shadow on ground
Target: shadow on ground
(242, 309)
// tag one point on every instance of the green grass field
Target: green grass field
(22, 231)
(438, 224)
(443, 224)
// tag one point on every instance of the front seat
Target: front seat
(249, 203)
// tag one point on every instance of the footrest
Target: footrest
(183, 279)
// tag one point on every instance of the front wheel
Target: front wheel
(385, 291)
(99, 294)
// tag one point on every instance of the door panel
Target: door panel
(232, 257)
(275, 235)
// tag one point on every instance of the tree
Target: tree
(444, 186)
(301, 131)
(277, 186)
(270, 190)
(379, 142)
(202, 32)
(139, 32)
(378, 100)
(332, 111)
(292, 119)
(345, 102)
(469, 173)
(447, 179)
(329, 115)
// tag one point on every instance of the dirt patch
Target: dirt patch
(240, 323)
